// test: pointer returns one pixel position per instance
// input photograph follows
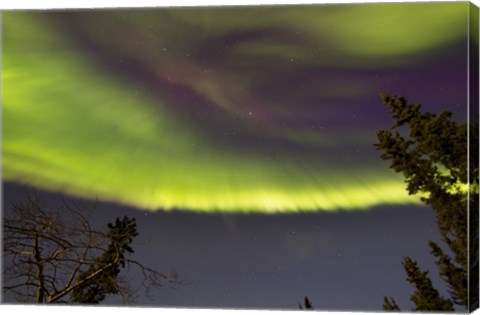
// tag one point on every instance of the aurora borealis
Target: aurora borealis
(265, 109)
(198, 121)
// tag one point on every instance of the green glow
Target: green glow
(72, 127)
(370, 30)
(387, 34)
(395, 30)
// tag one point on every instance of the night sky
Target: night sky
(240, 138)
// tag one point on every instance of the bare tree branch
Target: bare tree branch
(51, 254)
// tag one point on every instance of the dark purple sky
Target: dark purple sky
(341, 261)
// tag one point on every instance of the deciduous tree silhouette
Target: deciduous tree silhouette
(55, 256)
(439, 160)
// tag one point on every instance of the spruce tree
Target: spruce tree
(389, 304)
(438, 158)
(96, 289)
(307, 305)
(425, 296)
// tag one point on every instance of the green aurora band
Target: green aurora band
(71, 127)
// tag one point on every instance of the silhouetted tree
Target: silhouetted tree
(425, 297)
(389, 304)
(439, 160)
(55, 256)
(307, 305)
(95, 289)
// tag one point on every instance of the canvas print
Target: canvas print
(286, 157)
